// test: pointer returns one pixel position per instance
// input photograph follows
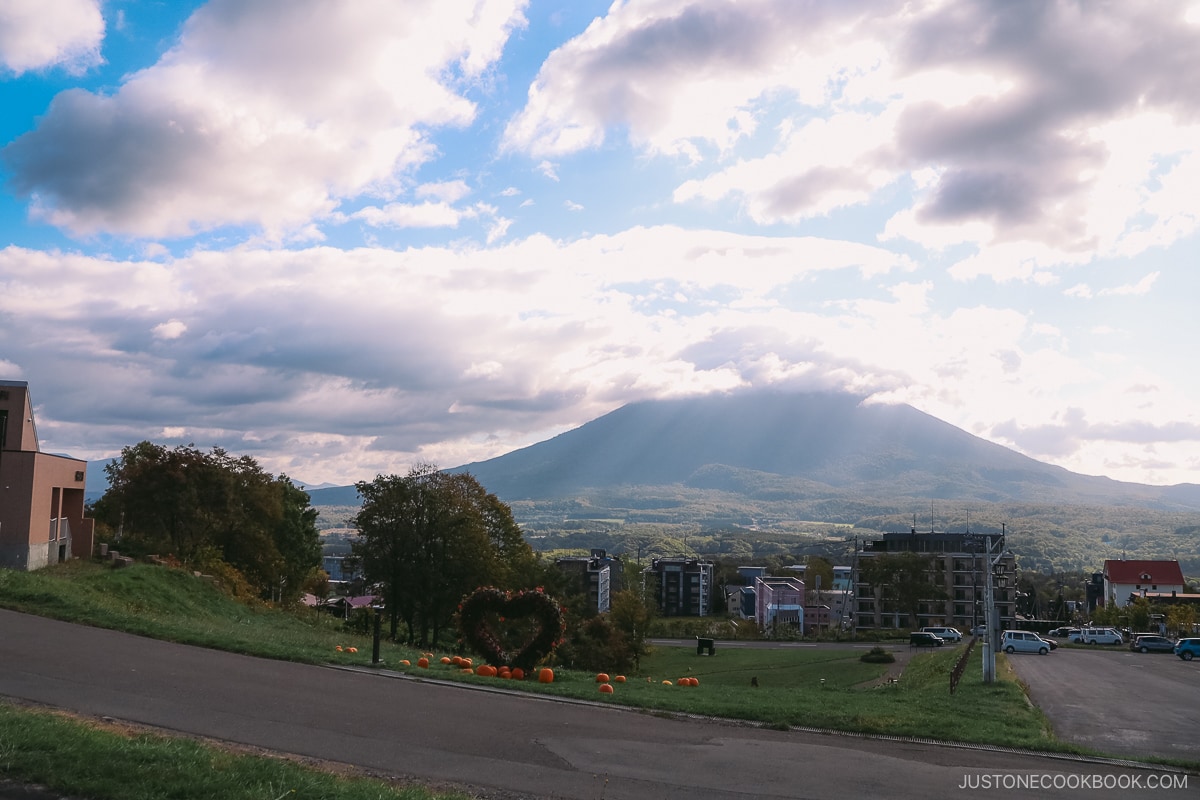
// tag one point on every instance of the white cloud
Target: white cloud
(1037, 138)
(38, 34)
(263, 113)
(171, 329)
(446, 191)
(404, 215)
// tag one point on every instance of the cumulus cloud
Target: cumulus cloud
(1040, 135)
(409, 342)
(38, 34)
(267, 114)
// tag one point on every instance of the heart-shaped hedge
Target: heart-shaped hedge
(482, 605)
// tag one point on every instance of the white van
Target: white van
(1024, 642)
(949, 634)
(1098, 636)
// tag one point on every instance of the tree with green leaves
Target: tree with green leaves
(191, 504)
(429, 538)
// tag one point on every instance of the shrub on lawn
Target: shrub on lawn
(877, 655)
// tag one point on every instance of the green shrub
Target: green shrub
(877, 655)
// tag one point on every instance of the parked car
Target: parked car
(1024, 642)
(947, 634)
(1098, 636)
(925, 639)
(1053, 644)
(1152, 643)
(1063, 633)
(979, 630)
(1187, 649)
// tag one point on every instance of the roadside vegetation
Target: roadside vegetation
(779, 688)
(103, 762)
(810, 687)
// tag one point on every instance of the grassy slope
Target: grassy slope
(106, 763)
(173, 605)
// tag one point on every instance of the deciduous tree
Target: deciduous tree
(429, 538)
(186, 502)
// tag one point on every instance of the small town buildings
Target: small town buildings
(41, 495)
(828, 605)
(956, 567)
(779, 603)
(1125, 579)
(597, 576)
(684, 586)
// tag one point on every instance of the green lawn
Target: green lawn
(51, 749)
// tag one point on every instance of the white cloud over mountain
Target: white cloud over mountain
(342, 237)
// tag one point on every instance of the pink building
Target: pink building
(41, 495)
(779, 601)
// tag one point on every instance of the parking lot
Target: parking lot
(1116, 701)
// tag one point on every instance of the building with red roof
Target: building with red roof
(1124, 579)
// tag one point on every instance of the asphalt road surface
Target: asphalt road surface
(500, 744)
(1111, 699)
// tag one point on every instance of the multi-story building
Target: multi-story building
(1125, 579)
(41, 495)
(955, 568)
(684, 586)
(597, 575)
(831, 605)
(779, 601)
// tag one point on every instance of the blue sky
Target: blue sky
(347, 237)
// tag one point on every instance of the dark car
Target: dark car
(1063, 633)
(925, 639)
(1152, 643)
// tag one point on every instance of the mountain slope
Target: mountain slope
(816, 442)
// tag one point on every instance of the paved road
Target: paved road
(1117, 701)
(494, 742)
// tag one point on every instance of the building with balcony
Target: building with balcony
(41, 495)
(954, 569)
(597, 576)
(684, 586)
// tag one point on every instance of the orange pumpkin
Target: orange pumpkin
(405, 663)
(446, 659)
(352, 649)
(423, 662)
(602, 677)
(606, 688)
(456, 661)
(666, 683)
(695, 681)
(619, 679)
(546, 675)
(338, 648)
(518, 674)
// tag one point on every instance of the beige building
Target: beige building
(41, 495)
(957, 568)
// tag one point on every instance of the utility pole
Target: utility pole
(990, 617)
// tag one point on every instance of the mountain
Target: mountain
(807, 445)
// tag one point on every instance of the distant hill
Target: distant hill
(803, 444)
